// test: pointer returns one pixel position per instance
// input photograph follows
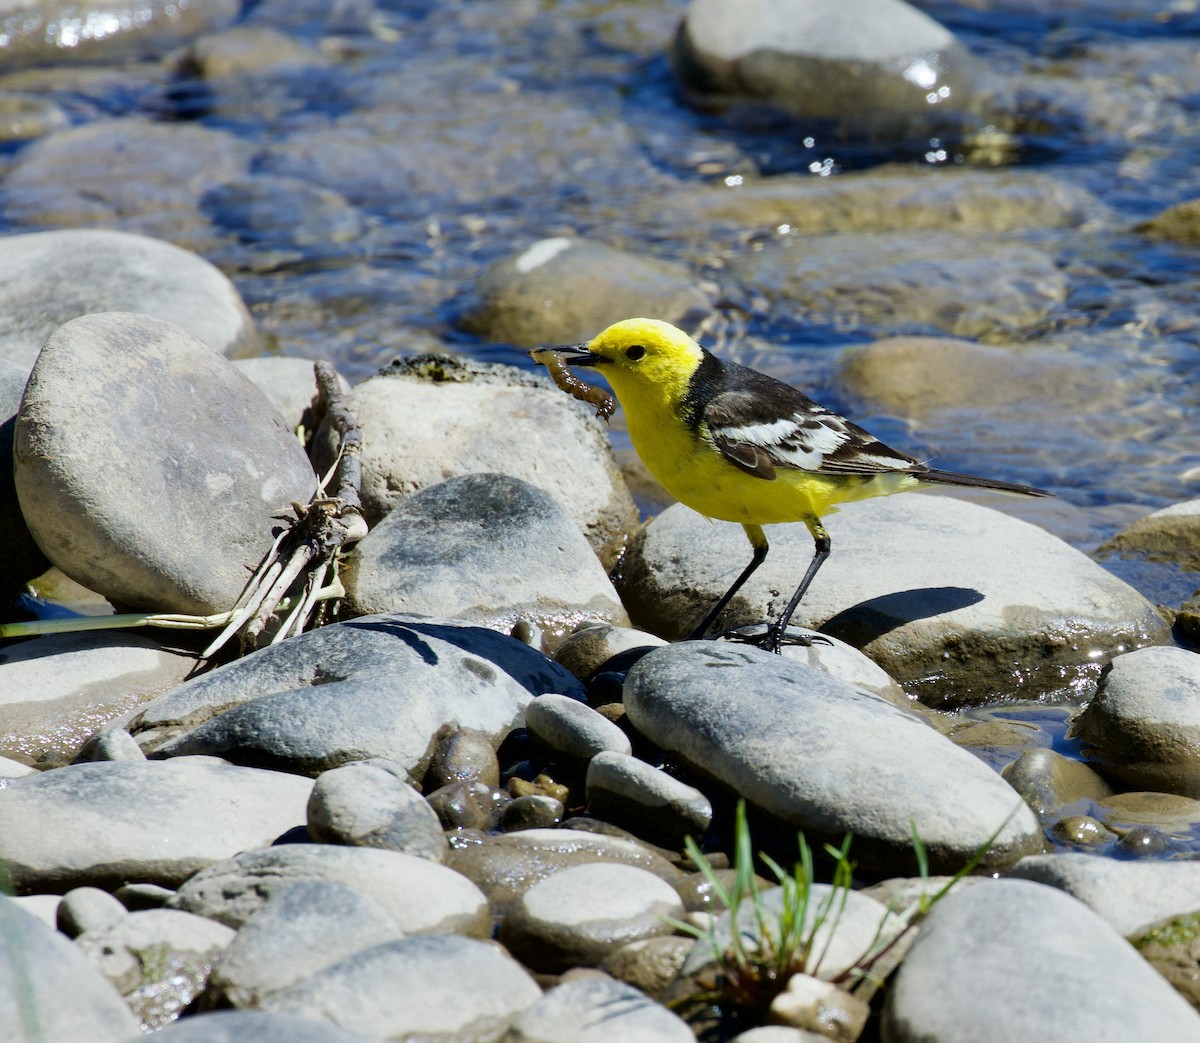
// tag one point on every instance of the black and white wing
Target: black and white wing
(760, 424)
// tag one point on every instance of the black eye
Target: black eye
(635, 352)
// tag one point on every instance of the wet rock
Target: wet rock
(461, 754)
(1179, 223)
(628, 792)
(1169, 534)
(889, 280)
(303, 928)
(57, 689)
(46, 968)
(88, 909)
(103, 824)
(886, 71)
(561, 291)
(916, 376)
(597, 1010)
(20, 557)
(1152, 824)
(532, 811)
(236, 1026)
(958, 613)
(486, 548)
(1051, 784)
(280, 214)
(469, 804)
(371, 804)
(134, 950)
(27, 116)
(54, 33)
(148, 176)
(506, 866)
(650, 964)
(379, 686)
(253, 50)
(572, 728)
(49, 278)
(422, 897)
(582, 913)
(882, 200)
(119, 404)
(1052, 966)
(417, 988)
(768, 729)
(1143, 726)
(1129, 895)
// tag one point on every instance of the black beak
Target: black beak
(575, 354)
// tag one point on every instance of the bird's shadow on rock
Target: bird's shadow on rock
(862, 623)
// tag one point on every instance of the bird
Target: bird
(741, 446)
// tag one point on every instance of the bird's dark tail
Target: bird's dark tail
(954, 478)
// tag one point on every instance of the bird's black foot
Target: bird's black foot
(771, 638)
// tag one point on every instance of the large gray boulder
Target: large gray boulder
(148, 468)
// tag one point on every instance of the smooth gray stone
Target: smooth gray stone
(1129, 895)
(371, 804)
(924, 585)
(88, 909)
(378, 686)
(153, 821)
(50, 991)
(826, 758)
(598, 1010)
(485, 548)
(288, 383)
(119, 951)
(1143, 726)
(645, 800)
(581, 914)
(49, 278)
(261, 1026)
(573, 728)
(303, 928)
(1011, 959)
(178, 417)
(422, 897)
(438, 987)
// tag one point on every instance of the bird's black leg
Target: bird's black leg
(774, 636)
(758, 541)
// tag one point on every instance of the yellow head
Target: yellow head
(645, 360)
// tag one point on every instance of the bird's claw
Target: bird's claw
(772, 639)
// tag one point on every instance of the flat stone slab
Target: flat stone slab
(107, 823)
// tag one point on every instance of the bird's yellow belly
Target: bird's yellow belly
(708, 483)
